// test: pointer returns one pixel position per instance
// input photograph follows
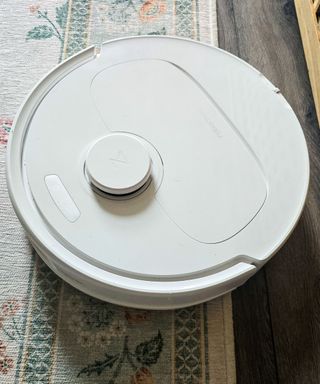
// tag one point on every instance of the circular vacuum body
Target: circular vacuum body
(158, 172)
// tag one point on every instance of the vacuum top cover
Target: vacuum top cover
(157, 165)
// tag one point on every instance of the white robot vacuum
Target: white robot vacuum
(156, 172)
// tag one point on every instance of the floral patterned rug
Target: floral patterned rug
(50, 332)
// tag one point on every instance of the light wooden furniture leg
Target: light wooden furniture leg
(308, 17)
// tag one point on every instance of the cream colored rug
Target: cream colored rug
(50, 332)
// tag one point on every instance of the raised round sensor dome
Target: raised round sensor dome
(118, 164)
(181, 171)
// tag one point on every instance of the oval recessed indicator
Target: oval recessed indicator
(62, 198)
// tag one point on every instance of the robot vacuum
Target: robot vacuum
(156, 172)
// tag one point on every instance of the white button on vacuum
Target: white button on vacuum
(118, 164)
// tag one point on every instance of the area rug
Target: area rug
(49, 331)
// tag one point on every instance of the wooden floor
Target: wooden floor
(277, 312)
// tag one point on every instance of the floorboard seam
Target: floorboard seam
(271, 327)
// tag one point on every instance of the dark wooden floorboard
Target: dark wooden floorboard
(227, 27)
(255, 358)
(253, 333)
(281, 305)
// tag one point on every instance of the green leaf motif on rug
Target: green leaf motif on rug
(51, 28)
(61, 15)
(159, 32)
(99, 366)
(40, 32)
(146, 354)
